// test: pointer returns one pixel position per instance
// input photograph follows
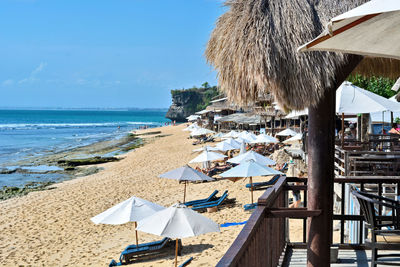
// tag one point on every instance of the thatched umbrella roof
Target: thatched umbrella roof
(254, 49)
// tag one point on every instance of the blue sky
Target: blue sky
(102, 53)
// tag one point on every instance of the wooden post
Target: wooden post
(176, 253)
(137, 239)
(342, 130)
(320, 179)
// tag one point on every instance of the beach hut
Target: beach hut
(254, 49)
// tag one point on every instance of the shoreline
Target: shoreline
(71, 164)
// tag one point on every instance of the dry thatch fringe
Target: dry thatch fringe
(254, 49)
(385, 67)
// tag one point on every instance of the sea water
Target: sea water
(31, 133)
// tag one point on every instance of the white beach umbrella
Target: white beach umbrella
(192, 117)
(242, 148)
(294, 139)
(231, 134)
(177, 221)
(287, 132)
(264, 139)
(249, 169)
(191, 127)
(246, 135)
(207, 156)
(371, 29)
(244, 140)
(218, 135)
(201, 131)
(251, 155)
(224, 146)
(186, 174)
(233, 143)
(351, 99)
(131, 210)
(297, 113)
(208, 148)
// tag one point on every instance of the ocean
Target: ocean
(26, 134)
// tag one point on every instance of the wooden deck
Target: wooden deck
(346, 258)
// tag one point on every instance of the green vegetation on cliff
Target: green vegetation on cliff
(199, 97)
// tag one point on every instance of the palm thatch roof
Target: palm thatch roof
(254, 49)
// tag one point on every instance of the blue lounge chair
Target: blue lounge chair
(186, 262)
(225, 194)
(263, 185)
(199, 201)
(212, 203)
(250, 206)
(155, 243)
(152, 249)
(284, 167)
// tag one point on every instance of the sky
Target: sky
(103, 53)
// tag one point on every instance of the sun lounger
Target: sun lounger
(284, 167)
(212, 203)
(250, 206)
(147, 250)
(263, 185)
(199, 201)
(186, 262)
(224, 195)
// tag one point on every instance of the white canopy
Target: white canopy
(233, 143)
(351, 99)
(186, 173)
(232, 133)
(191, 127)
(251, 155)
(208, 148)
(131, 210)
(177, 221)
(207, 156)
(246, 136)
(192, 117)
(201, 131)
(293, 139)
(297, 113)
(218, 135)
(204, 111)
(249, 168)
(224, 146)
(264, 139)
(287, 132)
(371, 29)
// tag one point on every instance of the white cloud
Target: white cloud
(34, 73)
(7, 82)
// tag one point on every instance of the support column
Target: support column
(321, 134)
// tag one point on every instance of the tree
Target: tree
(378, 85)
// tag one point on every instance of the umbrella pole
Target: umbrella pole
(251, 184)
(137, 242)
(342, 129)
(176, 253)
(184, 193)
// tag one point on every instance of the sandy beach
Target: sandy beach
(53, 227)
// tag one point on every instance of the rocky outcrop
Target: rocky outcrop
(187, 102)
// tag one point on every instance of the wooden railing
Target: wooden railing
(264, 240)
(366, 163)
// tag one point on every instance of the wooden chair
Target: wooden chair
(381, 239)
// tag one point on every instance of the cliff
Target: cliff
(186, 102)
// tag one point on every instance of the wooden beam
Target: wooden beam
(293, 213)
